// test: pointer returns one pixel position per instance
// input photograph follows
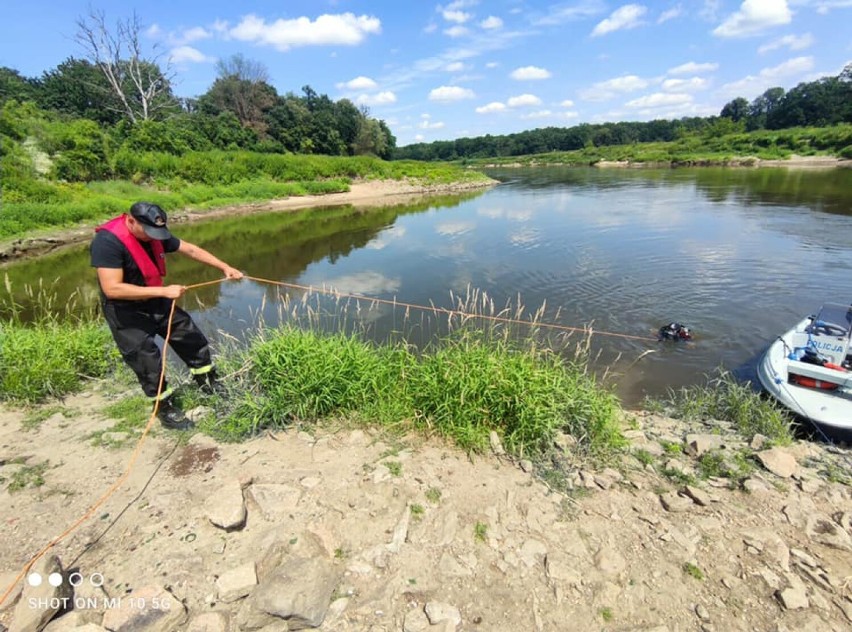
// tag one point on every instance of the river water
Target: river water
(738, 255)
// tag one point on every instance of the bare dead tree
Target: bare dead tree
(139, 83)
(243, 69)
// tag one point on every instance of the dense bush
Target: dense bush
(469, 385)
(77, 351)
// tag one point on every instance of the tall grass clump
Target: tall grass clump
(311, 375)
(51, 356)
(726, 399)
(470, 386)
(468, 382)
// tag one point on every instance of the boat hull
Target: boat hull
(829, 410)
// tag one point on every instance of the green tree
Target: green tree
(762, 106)
(79, 88)
(82, 154)
(242, 89)
(348, 121)
(735, 110)
(15, 86)
(371, 139)
(290, 123)
(827, 101)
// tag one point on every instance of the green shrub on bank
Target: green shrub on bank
(197, 180)
(465, 388)
(52, 359)
(69, 205)
(726, 399)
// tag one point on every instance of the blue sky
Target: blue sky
(438, 71)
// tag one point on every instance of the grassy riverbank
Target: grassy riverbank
(198, 181)
(473, 380)
(712, 148)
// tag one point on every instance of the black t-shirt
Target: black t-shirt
(107, 251)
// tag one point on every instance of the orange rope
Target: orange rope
(451, 312)
(308, 288)
(109, 492)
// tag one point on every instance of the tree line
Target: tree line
(821, 103)
(130, 97)
(236, 112)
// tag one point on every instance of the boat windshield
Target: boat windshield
(833, 320)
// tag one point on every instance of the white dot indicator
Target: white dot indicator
(75, 579)
(55, 579)
(96, 580)
(34, 579)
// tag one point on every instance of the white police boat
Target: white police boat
(808, 370)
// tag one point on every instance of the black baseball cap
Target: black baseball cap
(153, 220)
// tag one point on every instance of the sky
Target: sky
(464, 68)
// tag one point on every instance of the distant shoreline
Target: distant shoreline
(750, 162)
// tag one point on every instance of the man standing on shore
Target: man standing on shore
(129, 254)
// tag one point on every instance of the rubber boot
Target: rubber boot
(172, 417)
(209, 383)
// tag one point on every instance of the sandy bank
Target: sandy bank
(400, 533)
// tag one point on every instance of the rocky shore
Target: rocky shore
(342, 528)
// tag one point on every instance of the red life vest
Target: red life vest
(151, 271)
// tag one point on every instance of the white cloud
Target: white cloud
(367, 282)
(710, 11)
(539, 114)
(491, 22)
(459, 17)
(604, 90)
(491, 64)
(458, 79)
(561, 13)
(548, 114)
(456, 31)
(382, 98)
(427, 123)
(386, 236)
(567, 103)
(659, 100)
(671, 14)
(430, 28)
(184, 54)
(793, 42)
(523, 101)
(344, 29)
(754, 17)
(358, 83)
(825, 6)
(685, 85)
(456, 66)
(418, 137)
(691, 67)
(220, 26)
(753, 85)
(626, 17)
(530, 73)
(194, 34)
(454, 228)
(154, 31)
(494, 106)
(448, 94)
